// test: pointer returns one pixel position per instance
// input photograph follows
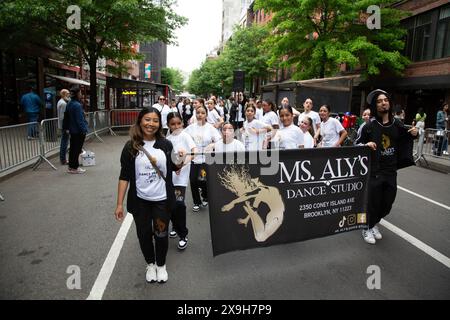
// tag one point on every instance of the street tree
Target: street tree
(107, 29)
(245, 51)
(317, 37)
(174, 78)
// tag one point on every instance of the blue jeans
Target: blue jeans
(63, 147)
(32, 128)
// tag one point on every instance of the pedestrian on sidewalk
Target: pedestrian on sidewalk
(31, 104)
(61, 108)
(147, 164)
(391, 143)
(182, 142)
(78, 128)
(441, 124)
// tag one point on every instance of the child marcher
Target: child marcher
(290, 136)
(306, 125)
(332, 132)
(253, 131)
(182, 142)
(203, 135)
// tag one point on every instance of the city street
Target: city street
(52, 221)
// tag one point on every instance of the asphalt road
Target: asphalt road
(51, 220)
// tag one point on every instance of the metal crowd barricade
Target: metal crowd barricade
(101, 122)
(432, 143)
(123, 118)
(91, 124)
(48, 139)
(16, 147)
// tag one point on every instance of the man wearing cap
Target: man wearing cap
(391, 143)
(78, 128)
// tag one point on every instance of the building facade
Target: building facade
(155, 60)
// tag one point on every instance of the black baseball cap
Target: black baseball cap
(374, 93)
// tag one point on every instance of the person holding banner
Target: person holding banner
(391, 143)
(182, 142)
(203, 135)
(289, 136)
(146, 171)
(331, 130)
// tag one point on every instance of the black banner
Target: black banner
(310, 193)
(238, 81)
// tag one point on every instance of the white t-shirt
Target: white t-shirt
(221, 112)
(181, 141)
(202, 136)
(159, 107)
(233, 146)
(149, 185)
(290, 137)
(259, 114)
(213, 117)
(314, 117)
(164, 112)
(240, 118)
(308, 140)
(329, 131)
(61, 108)
(251, 140)
(271, 119)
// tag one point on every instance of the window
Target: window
(422, 50)
(443, 34)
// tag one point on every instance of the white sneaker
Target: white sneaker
(182, 243)
(196, 208)
(376, 233)
(204, 204)
(75, 171)
(161, 274)
(150, 274)
(173, 234)
(368, 236)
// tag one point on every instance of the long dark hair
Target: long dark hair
(136, 135)
(172, 115)
(373, 106)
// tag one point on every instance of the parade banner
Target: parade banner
(311, 193)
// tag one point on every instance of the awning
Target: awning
(69, 80)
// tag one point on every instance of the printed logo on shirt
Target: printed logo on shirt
(386, 144)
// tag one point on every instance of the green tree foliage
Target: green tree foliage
(109, 28)
(173, 77)
(316, 37)
(244, 51)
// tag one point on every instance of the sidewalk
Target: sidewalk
(435, 163)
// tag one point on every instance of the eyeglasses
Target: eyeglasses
(162, 99)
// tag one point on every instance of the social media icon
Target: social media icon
(351, 219)
(362, 218)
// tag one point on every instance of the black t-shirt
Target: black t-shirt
(386, 137)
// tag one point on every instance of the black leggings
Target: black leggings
(152, 220)
(382, 193)
(179, 214)
(195, 184)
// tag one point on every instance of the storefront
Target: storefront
(130, 94)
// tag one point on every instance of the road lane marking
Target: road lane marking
(417, 243)
(425, 198)
(110, 262)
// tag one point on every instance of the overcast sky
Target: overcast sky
(199, 36)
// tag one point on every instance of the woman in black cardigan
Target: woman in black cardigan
(147, 166)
